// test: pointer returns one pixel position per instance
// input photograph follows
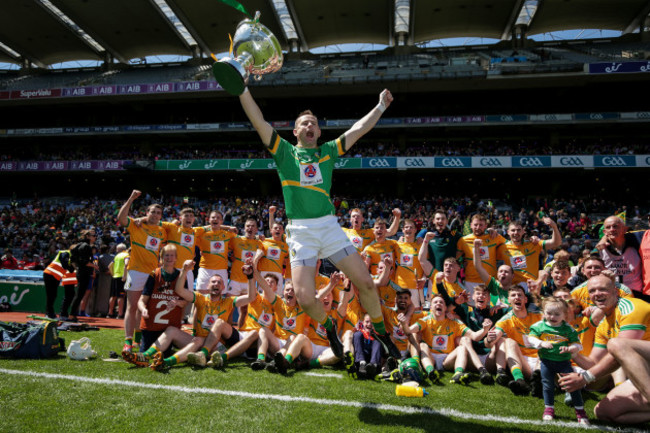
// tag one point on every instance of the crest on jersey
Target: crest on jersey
(310, 170)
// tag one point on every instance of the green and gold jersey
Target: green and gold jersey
(306, 176)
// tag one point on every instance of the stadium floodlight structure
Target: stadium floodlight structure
(288, 26)
(78, 31)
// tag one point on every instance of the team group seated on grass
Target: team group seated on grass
(490, 313)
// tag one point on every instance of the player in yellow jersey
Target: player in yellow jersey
(488, 251)
(146, 242)
(592, 267)
(215, 242)
(440, 348)
(388, 291)
(361, 237)
(448, 277)
(313, 347)
(523, 257)
(243, 248)
(273, 257)
(382, 247)
(407, 265)
(625, 318)
(288, 316)
(521, 358)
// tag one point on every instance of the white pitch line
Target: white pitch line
(313, 374)
(260, 397)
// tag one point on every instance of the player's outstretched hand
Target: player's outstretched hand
(385, 98)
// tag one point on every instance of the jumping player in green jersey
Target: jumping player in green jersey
(305, 171)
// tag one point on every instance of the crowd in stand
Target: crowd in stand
(210, 151)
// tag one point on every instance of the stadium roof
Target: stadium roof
(45, 32)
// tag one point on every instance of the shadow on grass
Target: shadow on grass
(430, 422)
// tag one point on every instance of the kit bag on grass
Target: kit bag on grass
(29, 340)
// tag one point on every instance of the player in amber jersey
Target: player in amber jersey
(289, 320)
(382, 247)
(313, 347)
(625, 318)
(403, 305)
(441, 348)
(215, 242)
(273, 257)
(488, 251)
(521, 358)
(523, 257)
(243, 248)
(592, 267)
(407, 265)
(448, 277)
(146, 242)
(361, 237)
(387, 292)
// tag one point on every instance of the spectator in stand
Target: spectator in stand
(8, 261)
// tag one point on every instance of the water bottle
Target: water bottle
(410, 391)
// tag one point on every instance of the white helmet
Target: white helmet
(80, 350)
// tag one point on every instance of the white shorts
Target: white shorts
(438, 359)
(204, 276)
(317, 350)
(280, 289)
(405, 353)
(244, 334)
(236, 288)
(483, 358)
(135, 281)
(315, 238)
(532, 361)
(190, 279)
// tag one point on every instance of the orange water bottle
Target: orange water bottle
(410, 391)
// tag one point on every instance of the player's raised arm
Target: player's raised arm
(365, 124)
(180, 290)
(252, 110)
(478, 263)
(123, 214)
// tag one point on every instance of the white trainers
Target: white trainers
(197, 358)
(217, 360)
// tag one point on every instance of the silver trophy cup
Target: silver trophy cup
(256, 51)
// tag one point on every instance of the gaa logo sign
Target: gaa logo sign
(310, 171)
(248, 254)
(210, 320)
(217, 245)
(440, 341)
(379, 163)
(188, 239)
(153, 242)
(567, 161)
(490, 162)
(614, 161)
(531, 162)
(414, 162)
(452, 162)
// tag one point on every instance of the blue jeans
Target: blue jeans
(549, 369)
